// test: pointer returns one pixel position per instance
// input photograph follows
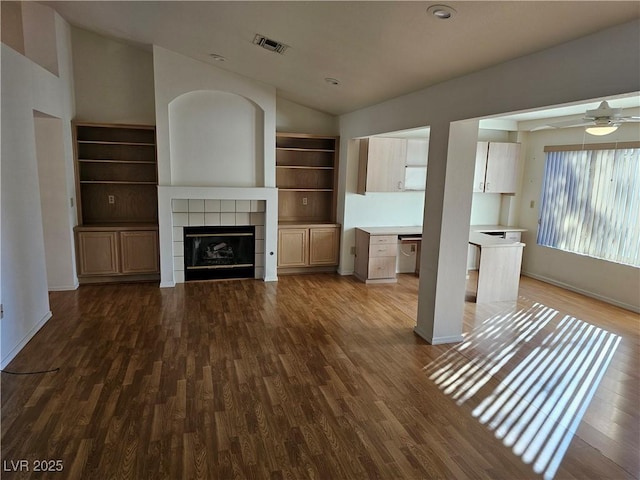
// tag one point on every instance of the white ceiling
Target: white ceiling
(376, 49)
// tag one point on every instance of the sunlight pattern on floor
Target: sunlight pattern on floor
(547, 371)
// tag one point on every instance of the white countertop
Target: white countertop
(485, 241)
(411, 230)
(495, 228)
(476, 234)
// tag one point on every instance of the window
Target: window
(590, 201)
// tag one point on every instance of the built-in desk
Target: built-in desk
(377, 252)
(499, 267)
(499, 264)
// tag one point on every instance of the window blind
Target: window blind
(590, 203)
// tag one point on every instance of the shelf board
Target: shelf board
(306, 189)
(298, 149)
(303, 167)
(103, 142)
(89, 160)
(111, 182)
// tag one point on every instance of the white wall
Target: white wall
(618, 284)
(28, 87)
(113, 80)
(574, 71)
(212, 139)
(176, 75)
(294, 118)
(55, 201)
(40, 35)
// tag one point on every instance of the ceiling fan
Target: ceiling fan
(600, 121)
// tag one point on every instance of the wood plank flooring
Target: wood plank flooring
(322, 377)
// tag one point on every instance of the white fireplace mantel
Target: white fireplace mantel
(167, 193)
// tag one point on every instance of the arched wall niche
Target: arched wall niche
(216, 140)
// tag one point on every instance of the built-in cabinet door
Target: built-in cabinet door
(97, 253)
(139, 252)
(323, 246)
(293, 247)
(496, 167)
(502, 171)
(481, 166)
(382, 164)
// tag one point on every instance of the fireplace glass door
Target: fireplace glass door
(219, 252)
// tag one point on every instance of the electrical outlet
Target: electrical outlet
(353, 250)
(532, 204)
(304, 201)
(112, 199)
(71, 199)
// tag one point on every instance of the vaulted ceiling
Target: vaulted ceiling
(376, 49)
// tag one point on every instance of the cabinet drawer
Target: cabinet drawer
(382, 267)
(383, 250)
(376, 239)
(513, 236)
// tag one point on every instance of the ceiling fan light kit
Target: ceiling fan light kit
(600, 121)
(600, 131)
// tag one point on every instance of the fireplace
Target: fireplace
(219, 252)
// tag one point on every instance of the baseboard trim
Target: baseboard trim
(437, 340)
(167, 284)
(64, 288)
(586, 293)
(12, 354)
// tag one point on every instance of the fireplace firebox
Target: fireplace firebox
(219, 252)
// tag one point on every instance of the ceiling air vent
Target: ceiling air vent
(271, 45)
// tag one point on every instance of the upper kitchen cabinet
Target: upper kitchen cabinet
(496, 167)
(415, 173)
(392, 164)
(382, 164)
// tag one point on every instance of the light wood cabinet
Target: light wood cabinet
(415, 175)
(323, 245)
(139, 252)
(496, 168)
(308, 247)
(376, 257)
(293, 247)
(97, 253)
(381, 165)
(116, 173)
(111, 253)
(392, 164)
(307, 177)
(117, 202)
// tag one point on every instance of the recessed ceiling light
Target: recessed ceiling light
(441, 12)
(332, 81)
(216, 57)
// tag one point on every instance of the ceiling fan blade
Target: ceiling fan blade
(571, 123)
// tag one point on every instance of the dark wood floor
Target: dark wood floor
(322, 377)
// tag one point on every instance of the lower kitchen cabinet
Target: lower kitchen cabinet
(117, 253)
(376, 257)
(308, 248)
